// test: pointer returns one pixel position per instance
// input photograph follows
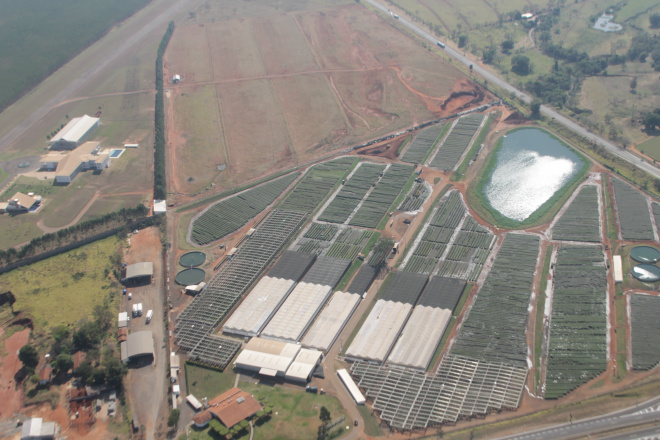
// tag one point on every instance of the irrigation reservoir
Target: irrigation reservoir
(531, 166)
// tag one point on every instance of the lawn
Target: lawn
(650, 147)
(207, 382)
(64, 289)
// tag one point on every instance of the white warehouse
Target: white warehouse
(74, 133)
(331, 321)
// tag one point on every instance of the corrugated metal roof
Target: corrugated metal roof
(75, 129)
(379, 331)
(263, 353)
(420, 337)
(331, 320)
(139, 270)
(259, 306)
(297, 312)
(140, 344)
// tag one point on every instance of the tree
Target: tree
(462, 40)
(29, 357)
(85, 371)
(654, 20)
(173, 418)
(520, 64)
(536, 109)
(325, 415)
(489, 55)
(64, 362)
(545, 37)
(115, 371)
(507, 46)
(218, 427)
(651, 121)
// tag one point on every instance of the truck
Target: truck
(441, 44)
(135, 310)
(139, 309)
(150, 314)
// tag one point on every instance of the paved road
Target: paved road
(644, 413)
(494, 79)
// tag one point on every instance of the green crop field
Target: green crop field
(317, 183)
(454, 146)
(64, 289)
(351, 194)
(494, 330)
(577, 348)
(645, 327)
(581, 221)
(423, 143)
(52, 33)
(633, 212)
(322, 239)
(383, 195)
(415, 197)
(231, 214)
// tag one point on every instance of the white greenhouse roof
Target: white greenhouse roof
(618, 269)
(420, 337)
(379, 331)
(351, 387)
(304, 364)
(258, 307)
(297, 312)
(263, 354)
(331, 321)
(75, 129)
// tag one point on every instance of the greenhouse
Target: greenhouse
(331, 321)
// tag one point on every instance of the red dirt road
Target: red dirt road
(12, 394)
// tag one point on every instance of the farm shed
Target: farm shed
(618, 269)
(192, 401)
(353, 389)
(332, 319)
(303, 365)
(138, 345)
(37, 429)
(378, 333)
(267, 357)
(233, 406)
(420, 337)
(297, 312)
(138, 273)
(258, 307)
(74, 133)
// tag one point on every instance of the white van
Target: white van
(150, 315)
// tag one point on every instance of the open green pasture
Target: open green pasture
(51, 33)
(64, 289)
(650, 147)
(207, 382)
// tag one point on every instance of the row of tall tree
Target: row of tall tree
(160, 183)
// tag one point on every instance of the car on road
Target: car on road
(355, 423)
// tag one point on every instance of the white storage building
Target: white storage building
(618, 269)
(303, 366)
(353, 389)
(74, 133)
(258, 307)
(267, 357)
(297, 312)
(331, 321)
(420, 337)
(379, 332)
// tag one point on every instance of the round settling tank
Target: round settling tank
(192, 259)
(645, 254)
(647, 273)
(188, 277)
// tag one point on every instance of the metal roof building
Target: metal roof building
(137, 345)
(258, 307)
(37, 429)
(74, 133)
(303, 365)
(138, 272)
(420, 337)
(297, 312)
(378, 333)
(331, 321)
(267, 357)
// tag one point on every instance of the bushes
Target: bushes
(160, 184)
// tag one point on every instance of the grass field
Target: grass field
(52, 34)
(207, 382)
(64, 289)
(650, 147)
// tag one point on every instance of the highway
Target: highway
(642, 414)
(494, 79)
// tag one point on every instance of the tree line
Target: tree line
(160, 183)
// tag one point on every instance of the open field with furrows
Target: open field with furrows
(64, 289)
(291, 86)
(581, 221)
(577, 348)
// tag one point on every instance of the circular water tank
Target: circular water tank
(645, 254)
(192, 259)
(647, 273)
(188, 277)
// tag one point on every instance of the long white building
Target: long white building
(259, 306)
(74, 133)
(297, 312)
(331, 321)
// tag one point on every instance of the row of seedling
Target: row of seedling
(454, 146)
(634, 217)
(581, 221)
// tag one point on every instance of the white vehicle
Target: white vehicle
(135, 310)
(441, 44)
(150, 315)
(130, 295)
(139, 309)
